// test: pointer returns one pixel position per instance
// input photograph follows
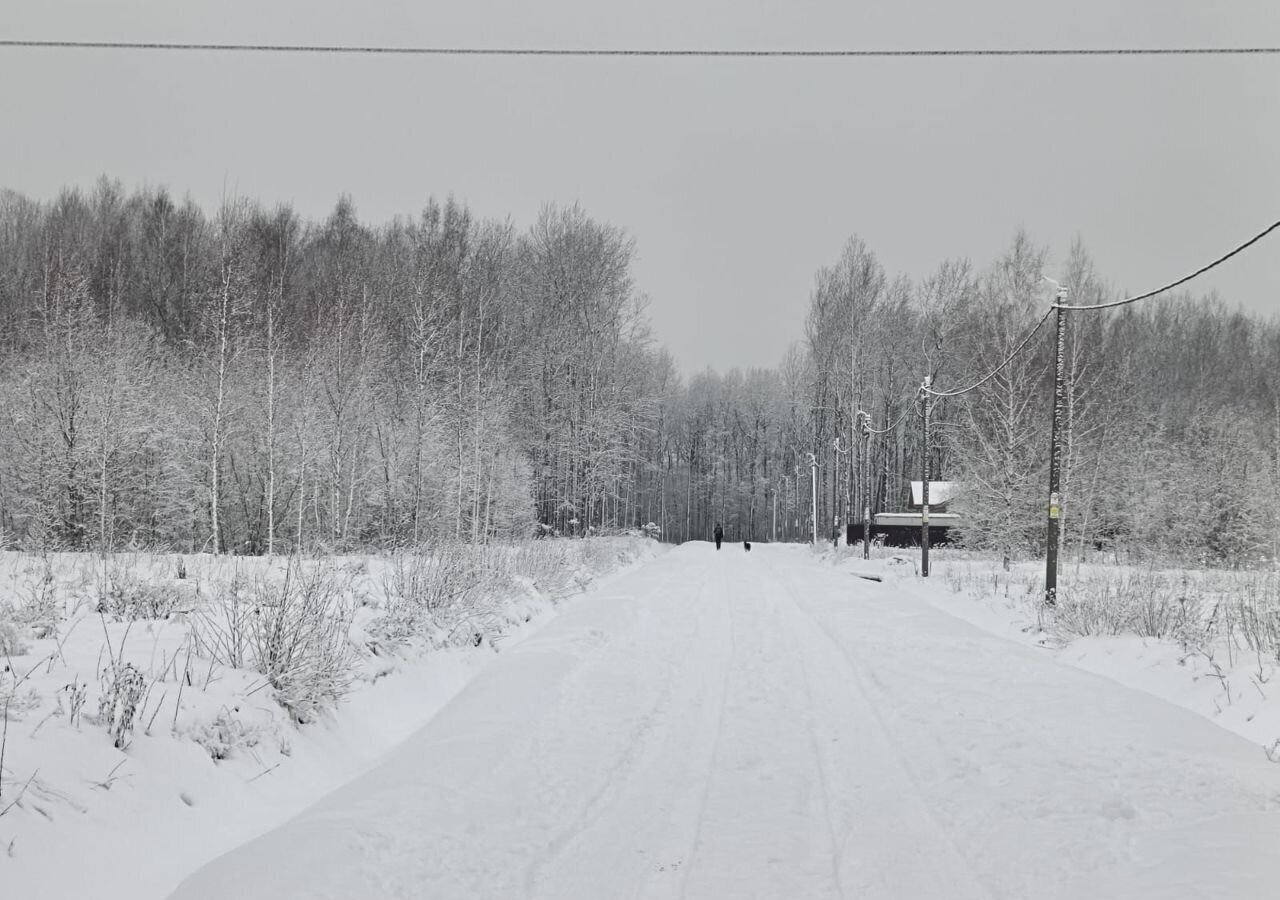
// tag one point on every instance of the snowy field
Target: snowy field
(768, 725)
(695, 724)
(162, 709)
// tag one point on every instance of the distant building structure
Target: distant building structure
(902, 528)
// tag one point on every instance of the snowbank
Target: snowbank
(134, 746)
(1201, 639)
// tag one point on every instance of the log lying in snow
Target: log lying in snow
(867, 576)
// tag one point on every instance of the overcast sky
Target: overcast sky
(737, 178)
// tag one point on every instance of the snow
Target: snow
(1214, 674)
(940, 492)
(136, 821)
(724, 724)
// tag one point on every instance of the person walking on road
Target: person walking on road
(719, 535)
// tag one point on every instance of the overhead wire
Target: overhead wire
(1183, 280)
(707, 53)
(887, 429)
(720, 54)
(1094, 306)
(992, 374)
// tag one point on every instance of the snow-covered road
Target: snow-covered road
(724, 725)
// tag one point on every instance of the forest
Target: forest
(240, 380)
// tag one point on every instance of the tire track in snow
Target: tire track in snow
(820, 760)
(767, 829)
(645, 778)
(938, 868)
(699, 820)
(579, 689)
(968, 768)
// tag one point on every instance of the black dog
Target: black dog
(746, 545)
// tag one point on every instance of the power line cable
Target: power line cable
(880, 431)
(706, 53)
(1056, 306)
(992, 374)
(1183, 280)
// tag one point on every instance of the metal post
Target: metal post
(774, 539)
(1055, 460)
(813, 479)
(924, 485)
(786, 507)
(795, 498)
(835, 481)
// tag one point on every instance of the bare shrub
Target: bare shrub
(11, 637)
(436, 579)
(224, 735)
(14, 702)
(299, 637)
(220, 627)
(546, 564)
(293, 630)
(421, 589)
(1148, 604)
(1253, 611)
(129, 598)
(123, 687)
(40, 608)
(455, 593)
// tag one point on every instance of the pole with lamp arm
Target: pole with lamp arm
(813, 480)
(836, 450)
(835, 480)
(865, 424)
(774, 537)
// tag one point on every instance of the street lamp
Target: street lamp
(836, 450)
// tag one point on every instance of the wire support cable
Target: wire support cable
(879, 431)
(992, 374)
(1183, 280)
(707, 53)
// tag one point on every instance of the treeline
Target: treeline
(243, 380)
(1172, 415)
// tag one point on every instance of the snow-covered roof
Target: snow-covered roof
(916, 520)
(939, 492)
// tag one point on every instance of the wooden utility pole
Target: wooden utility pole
(866, 486)
(924, 485)
(1055, 457)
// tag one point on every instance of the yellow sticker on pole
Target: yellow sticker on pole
(1055, 510)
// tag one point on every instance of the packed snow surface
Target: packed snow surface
(730, 724)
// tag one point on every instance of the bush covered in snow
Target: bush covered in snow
(1197, 608)
(292, 629)
(454, 594)
(11, 633)
(120, 700)
(130, 595)
(223, 736)
(223, 657)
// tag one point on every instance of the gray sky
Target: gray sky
(738, 179)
